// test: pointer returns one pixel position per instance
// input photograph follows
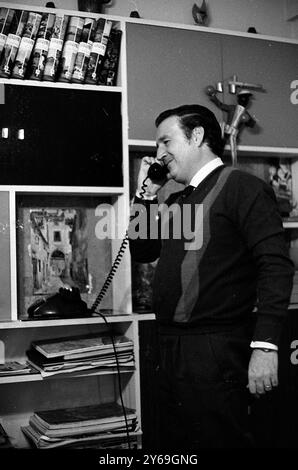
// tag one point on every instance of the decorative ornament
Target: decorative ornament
(93, 6)
(237, 116)
(280, 178)
(200, 14)
(134, 13)
(252, 29)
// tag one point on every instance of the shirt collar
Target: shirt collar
(205, 171)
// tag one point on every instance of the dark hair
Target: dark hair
(195, 115)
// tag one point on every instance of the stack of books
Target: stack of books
(104, 425)
(79, 353)
(58, 47)
(15, 368)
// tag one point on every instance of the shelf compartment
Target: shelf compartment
(65, 240)
(72, 138)
(49, 394)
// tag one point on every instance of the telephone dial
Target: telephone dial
(67, 303)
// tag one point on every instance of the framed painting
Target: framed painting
(57, 247)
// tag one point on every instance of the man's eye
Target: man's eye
(166, 142)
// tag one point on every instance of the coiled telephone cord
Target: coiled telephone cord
(99, 298)
(93, 309)
(111, 274)
(143, 189)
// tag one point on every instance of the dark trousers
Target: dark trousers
(203, 390)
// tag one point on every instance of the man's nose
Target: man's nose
(160, 154)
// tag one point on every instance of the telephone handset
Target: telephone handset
(67, 303)
(157, 172)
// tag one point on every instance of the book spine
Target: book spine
(41, 47)
(108, 74)
(55, 47)
(6, 15)
(98, 50)
(13, 41)
(70, 48)
(84, 51)
(26, 45)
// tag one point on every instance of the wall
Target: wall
(267, 16)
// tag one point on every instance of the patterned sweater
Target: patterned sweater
(239, 258)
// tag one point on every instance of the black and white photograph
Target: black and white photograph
(148, 231)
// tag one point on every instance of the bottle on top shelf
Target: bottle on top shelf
(55, 47)
(84, 51)
(102, 33)
(6, 15)
(26, 45)
(70, 49)
(12, 43)
(41, 47)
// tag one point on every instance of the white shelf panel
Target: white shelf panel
(135, 144)
(145, 316)
(20, 378)
(9, 325)
(71, 375)
(261, 151)
(121, 318)
(86, 190)
(288, 152)
(68, 86)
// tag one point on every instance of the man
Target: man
(213, 349)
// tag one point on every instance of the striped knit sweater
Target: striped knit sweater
(241, 259)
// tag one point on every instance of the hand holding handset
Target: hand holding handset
(151, 178)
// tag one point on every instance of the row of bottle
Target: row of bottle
(52, 46)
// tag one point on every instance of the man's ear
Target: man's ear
(198, 135)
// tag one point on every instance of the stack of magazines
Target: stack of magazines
(80, 353)
(15, 368)
(105, 425)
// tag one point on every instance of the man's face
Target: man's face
(174, 150)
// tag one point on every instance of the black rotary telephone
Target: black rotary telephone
(67, 303)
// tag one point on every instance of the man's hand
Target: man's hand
(262, 371)
(150, 188)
